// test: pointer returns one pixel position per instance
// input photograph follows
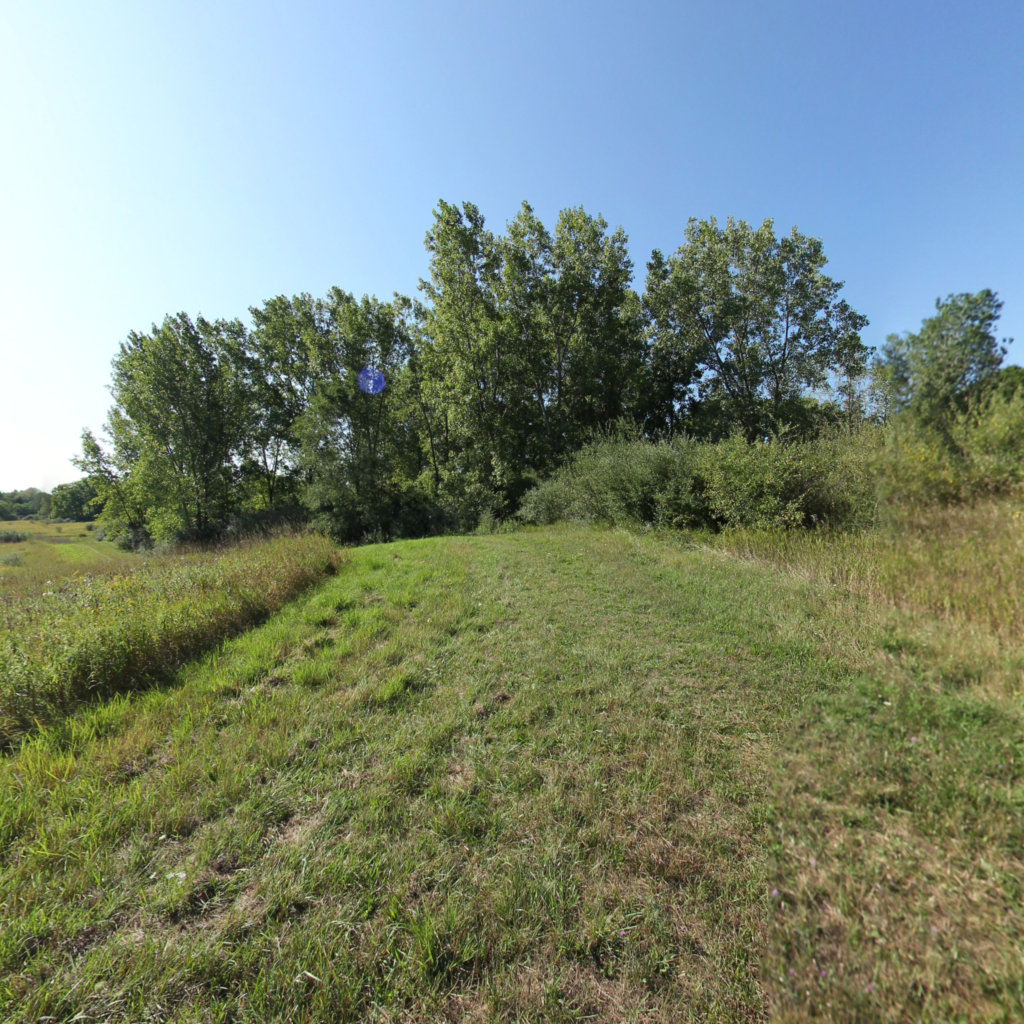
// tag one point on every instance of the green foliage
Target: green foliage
(825, 481)
(981, 453)
(625, 481)
(74, 501)
(530, 342)
(12, 537)
(28, 504)
(692, 484)
(526, 346)
(176, 431)
(990, 438)
(361, 455)
(933, 374)
(747, 323)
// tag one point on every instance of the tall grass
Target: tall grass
(961, 563)
(92, 636)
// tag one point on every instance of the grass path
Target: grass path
(557, 775)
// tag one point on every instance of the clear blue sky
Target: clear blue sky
(202, 157)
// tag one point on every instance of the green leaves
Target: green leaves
(748, 323)
(176, 429)
(934, 372)
(531, 341)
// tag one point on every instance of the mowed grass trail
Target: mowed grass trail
(559, 775)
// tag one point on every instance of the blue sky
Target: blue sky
(202, 157)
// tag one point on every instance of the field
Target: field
(561, 774)
(52, 550)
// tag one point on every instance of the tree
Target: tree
(176, 431)
(465, 360)
(530, 343)
(73, 501)
(932, 374)
(361, 454)
(279, 364)
(747, 324)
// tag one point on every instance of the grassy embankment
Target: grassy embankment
(87, 635)
(556, 775)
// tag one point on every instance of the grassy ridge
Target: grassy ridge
(90, 636)
(554, 775)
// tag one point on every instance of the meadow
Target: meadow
(563, 773)
(50, 551)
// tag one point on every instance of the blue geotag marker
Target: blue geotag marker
(371, 381)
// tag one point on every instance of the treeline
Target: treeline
(73, 502)
(31, 503)
(521, 349)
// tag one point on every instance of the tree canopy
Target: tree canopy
(933, 373)
(747, 324)
(521, 347)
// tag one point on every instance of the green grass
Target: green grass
(556, 775)
(51, 551)
(87, 636)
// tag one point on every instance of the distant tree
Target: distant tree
(73, 501)
(29, 503)
(747, 324)
(933, 373)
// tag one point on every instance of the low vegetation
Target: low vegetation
(730, 730)
(842, 479)
(559, 774)
(90, 635)
(47, 552)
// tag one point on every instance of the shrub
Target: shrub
(991, 441)
(12, 537)
(687, 484)
(827, 480)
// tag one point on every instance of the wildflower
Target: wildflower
(775, 892)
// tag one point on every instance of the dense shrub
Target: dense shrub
(990, 440)
(689, 484)
(826, 480)
(844, 479)
(12, 537)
